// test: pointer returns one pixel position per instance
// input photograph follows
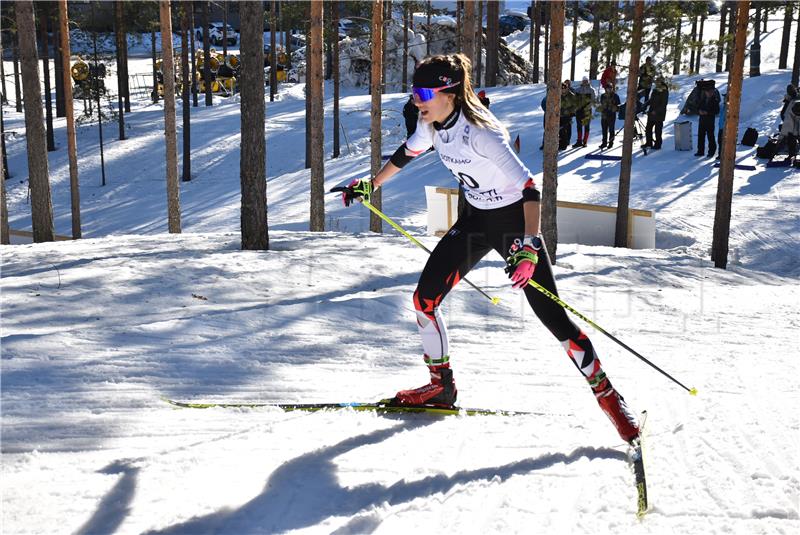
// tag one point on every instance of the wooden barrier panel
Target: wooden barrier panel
(586, 224)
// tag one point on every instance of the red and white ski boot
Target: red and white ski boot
(440, 392)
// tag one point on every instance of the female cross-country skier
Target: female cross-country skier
(502, 214)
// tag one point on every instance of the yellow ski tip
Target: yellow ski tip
(693, 392)
(495, 300)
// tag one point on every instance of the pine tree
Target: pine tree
(375, 223)
(171, 138)
(69, 113)
(549, 226)
(316, 96)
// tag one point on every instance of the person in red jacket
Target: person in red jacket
(609, 76)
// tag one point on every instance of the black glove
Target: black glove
(359, 189)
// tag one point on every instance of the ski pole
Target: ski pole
(401, 230)
(554, 297)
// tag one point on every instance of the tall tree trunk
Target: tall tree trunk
(693, 45)
(17, 85)
(594, 54)
(755, 48)
(611, 29)
(788, 12)
(468, 31)
(4, 96)
(459, 27)
(536, 39)
(69, 113)
(532, 16)
(123, 65)
(478, 44)
(335, 74)
(96, 90)
(623, 197)
(547, 41)
(44, 19)
(120, 45)
(186, 176)
(375, 222)
(722, 215)
(225, 30)
(677, 49)
(317, 119)
(58, 67)
(387, 17)
(723, 18)
(308, 88)
(492, 42)
(796, 64)
(549, 225)
(193, 57)
(207, 57)
(252, 162)
(732, 14)
(699, 44)
(5, 233)
(154, 94)
(428, 30)
(574, 41)
(38, 172)
(273, 58)
(404, 84)
(170, 134)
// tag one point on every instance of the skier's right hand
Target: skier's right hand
(359, 190)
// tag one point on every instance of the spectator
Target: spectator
(584, 98)
(568, 108)
(411, 115)
(609, 76)
(791, 127)
(646, 74)
(790, 96)
(656, 108)
(707, 108)
(609, 106)
(484, 99)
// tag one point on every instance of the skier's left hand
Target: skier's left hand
(358, 190)
(521, 263)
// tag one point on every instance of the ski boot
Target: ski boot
(440, 392)
(618, 412)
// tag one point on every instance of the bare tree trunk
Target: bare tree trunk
(17, 85)
(154, 94)
(492, 41)
(314, 62)
(387, 17)
(459, 28)
(729, 46)
(335, 74)
(404, 85)
(623, 197)
(547, 41)
(123, 65)
(796, 65)
(722, 215)
(552, 120)
(225, 29)
(185, 94)
(38, 172)
(478, 45)
(468, 31)
(428, 31)
(755, 48)
(699, 45)
(693, 46)
(193, 57)
(536, 39)
(72, 145)
(676, 49)
(574, 41)
(788, 12)
(594, 54)
(207, 58)
(58, 67)
(532, 17)
(273, 58)
(120, 45)
(5, 234)
(44, 13)
(252, 162)
(170, 135)
(723, 17)
(375, 223)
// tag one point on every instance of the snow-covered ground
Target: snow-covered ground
(95, 331)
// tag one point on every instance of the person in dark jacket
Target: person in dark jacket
(708, 109)
(647, 71)
(569, 101)
(584, 100)
(411, 115)
(483, 98)
(609, 107)
(656, 108)
(790, 96)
